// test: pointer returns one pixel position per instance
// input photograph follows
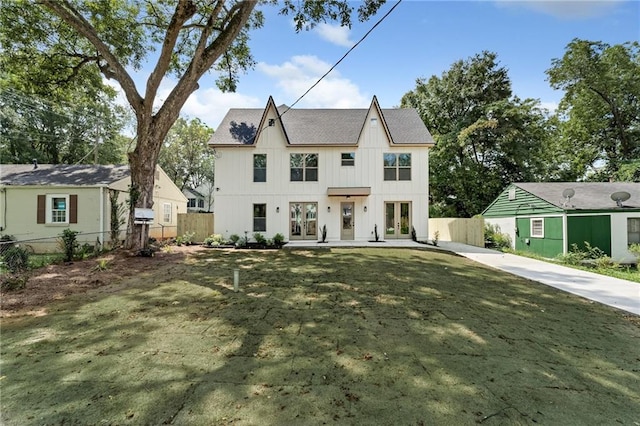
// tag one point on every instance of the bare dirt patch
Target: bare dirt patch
(61, 280)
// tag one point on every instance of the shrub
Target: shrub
(260, 239)
(414, 236)
(324, 233)
(494, 238)
(234, 238)
(278, 240)
(436, 237)
(13, 282)
(69, 243)
(635, 250)
(187, 238)
(16, 259)
(605, 262)
(213, 240)
(375, 232)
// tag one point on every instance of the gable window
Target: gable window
(348, 158)
(259, 217)
(633, 230)
(397, 166)
(537, 228)
(259, 167)
(166, 212)
(374, 122)
(57, 209)
(304, 167)
(191, 202)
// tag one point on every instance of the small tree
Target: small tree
(69, 243)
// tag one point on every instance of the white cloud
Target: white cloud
(565, 9)
(550, 106)
(334, 34)
(297, 75)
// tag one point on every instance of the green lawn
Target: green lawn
(328, 336)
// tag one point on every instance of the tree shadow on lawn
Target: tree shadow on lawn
(355, 336)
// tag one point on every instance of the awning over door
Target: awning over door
(348, 191)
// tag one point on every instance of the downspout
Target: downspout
(101, 234)
(565, 233)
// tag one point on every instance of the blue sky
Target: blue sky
(418, 39)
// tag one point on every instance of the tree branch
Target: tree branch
(184, 10)
(115, 70)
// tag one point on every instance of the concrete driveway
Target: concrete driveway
(621, 294)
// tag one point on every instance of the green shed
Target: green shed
(548, 218)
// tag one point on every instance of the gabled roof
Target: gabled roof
(192, 192)
(587, 195)
(61, 174)
(320, 126)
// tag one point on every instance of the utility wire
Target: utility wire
(343, 57)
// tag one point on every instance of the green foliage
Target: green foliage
(68, 242)
(185, 155)
(260, 239)
(485, 137)
(635, 250)
(436, 238)
(324, 233)
(601, 105)
(590, 255)
(117, 215)
(6, 241)
(496, 239)
(278, 240)
(234, 238)
(214, 240)
(376, 236)
(15, 259)
(102, 265)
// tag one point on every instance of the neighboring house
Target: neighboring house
(38, 202)
(548, 218)
(198, 200)
(294, 171)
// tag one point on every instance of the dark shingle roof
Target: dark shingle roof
(61, 175)
(588, 195)
(320, 126)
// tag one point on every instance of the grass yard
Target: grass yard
(327, 336)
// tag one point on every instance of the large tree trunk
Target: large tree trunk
(142, 164)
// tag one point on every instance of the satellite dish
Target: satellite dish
(567, 194)
(620, 196)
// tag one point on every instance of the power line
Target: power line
(343, 57)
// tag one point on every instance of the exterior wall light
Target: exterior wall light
(329, 209)
(277, 209)
(365, 209)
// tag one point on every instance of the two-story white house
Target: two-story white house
(294, 171)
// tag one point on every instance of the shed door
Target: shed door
(594, 229)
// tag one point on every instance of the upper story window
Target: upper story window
(348, 158)
(201, 203)
(191, 203)
(259, 167)
(397, 166)
(633, 230)
(304, 167)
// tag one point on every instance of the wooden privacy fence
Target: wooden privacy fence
(467, 231)
(200, 223)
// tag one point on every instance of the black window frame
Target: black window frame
(259, 173)
(260, 217)
(303, 167)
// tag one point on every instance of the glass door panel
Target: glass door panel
(397, 219)
(303, 221)
(405, 223)
(311, 228)
(346, 230)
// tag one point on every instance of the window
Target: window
(633, 230)
(259, 167)
(374, 122)
(166, 217)
(191, 202)
(57, 209)
(537, 228)
(304, 167)
(397, 166)
(259, 217)
(348, 158)
(201, 203)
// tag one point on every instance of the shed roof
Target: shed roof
(587, 195)
(61, 174)
(320, 126)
